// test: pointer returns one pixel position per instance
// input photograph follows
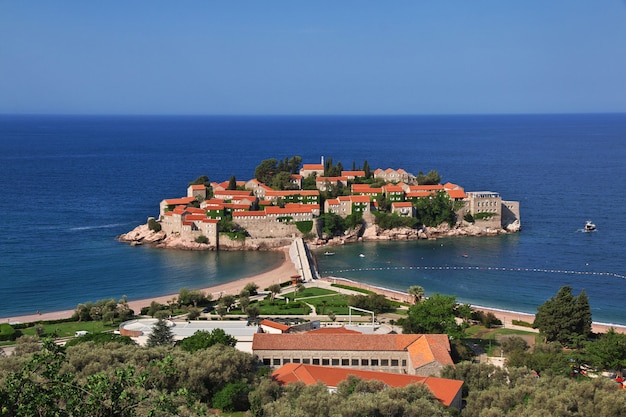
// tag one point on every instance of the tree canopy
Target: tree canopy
(436, 314)
(564, 318)
(203, 339)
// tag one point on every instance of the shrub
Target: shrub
(233, 397)
(202, 239)
(305, 226)
(154, 225)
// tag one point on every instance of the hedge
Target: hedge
(7, 332)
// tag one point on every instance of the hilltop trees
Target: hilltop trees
(269, 169)
(564, 318)
(432, 178)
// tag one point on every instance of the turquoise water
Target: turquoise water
(71, 184)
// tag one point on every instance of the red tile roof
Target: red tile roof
(284, 193)
(313, 167)
(352, 173)
(177, 201)
(359, 198)
(445, 390)
(274, 325)
(433, 187)
(350, 342)
(457, 193)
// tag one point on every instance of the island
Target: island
(323, 204)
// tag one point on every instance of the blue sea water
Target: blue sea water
(70, 184)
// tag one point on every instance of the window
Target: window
(403, 362)
(276, 362)
(306, 361)
(296, 360)
(394, 362)
(384, 362)
(326, 362)
(335, 362)
(266, 361)
(374, 362)
(355, 362)
(316, 361)
(286, 361)
(365, 362)
(345, 362)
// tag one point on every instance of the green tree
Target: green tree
(244, 302)
(253, 311)
(161, 334)
(435, 210)
(203, 339)
(274, 289)
(432, 178)
(228, 301)
(154, 225)
(201, 180)
(367, 169)
(232, 183)
(564, 318)
(233, 397)
(436, 314)
(281, 181)
(252, 288)
(608, 351)
(332, 224)
(265, 171)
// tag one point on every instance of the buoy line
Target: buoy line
(479, 268)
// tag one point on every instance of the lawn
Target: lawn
(65, 329)
(488, 338)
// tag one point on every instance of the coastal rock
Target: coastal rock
(142, 234)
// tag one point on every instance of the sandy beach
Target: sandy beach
(275, 276)
(281, 274)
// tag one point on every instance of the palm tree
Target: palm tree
(417, 292)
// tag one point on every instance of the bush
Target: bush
(7, 332)
(154, 225)
(233, 397)
(305, 226)
(202, 239)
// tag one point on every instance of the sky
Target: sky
(312, 57)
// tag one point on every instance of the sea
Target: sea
(70, 184)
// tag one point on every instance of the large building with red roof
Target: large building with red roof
(412, 354)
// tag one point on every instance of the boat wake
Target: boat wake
(103, 226)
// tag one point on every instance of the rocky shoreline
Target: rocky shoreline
(142, 235)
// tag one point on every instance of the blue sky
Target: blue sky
(315, 57)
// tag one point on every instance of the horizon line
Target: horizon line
(308, 114)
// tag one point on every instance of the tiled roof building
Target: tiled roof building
(413, 354)
(447, 391)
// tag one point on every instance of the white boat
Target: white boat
(589, 226)
(361, 255)
(329, 253)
